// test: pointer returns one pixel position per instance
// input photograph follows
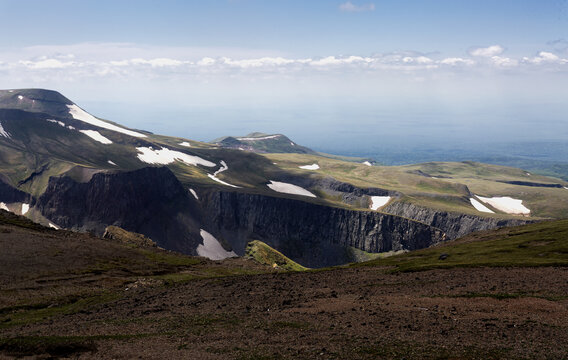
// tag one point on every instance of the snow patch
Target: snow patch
(194, 194)
(166, 156)
(286, 188)
(480, 207)
(25, 208)
(379, 201)
(185, 143)
(258, 138)
(53, 226)
(20, 97)
(506, 204)
(79, 114)
(212, 177)
(3, 206)
(211, 248)
(222, 168)
(565, 187)
(310, 167)
(95, 135)
(4, 132)
(111, 162)
(292, 144)
(367, 163)
(60, 123)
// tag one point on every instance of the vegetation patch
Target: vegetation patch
(266, 255)
(540, 244)
(57, 346)
(290, 325)
(22, 315)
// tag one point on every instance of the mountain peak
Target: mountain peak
(262, 143)
(35, 100)
(43, 95)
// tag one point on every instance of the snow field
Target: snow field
(211, 248)
(286, 188)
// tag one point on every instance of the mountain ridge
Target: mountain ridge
(46, 153)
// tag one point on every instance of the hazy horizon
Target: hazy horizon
(339, 76)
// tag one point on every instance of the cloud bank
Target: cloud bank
(95, 60)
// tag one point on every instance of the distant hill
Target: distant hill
(263, 143)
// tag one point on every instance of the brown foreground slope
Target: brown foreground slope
(73, 295)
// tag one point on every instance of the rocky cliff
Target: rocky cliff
(454, 225)
(150, 201)
(311, 234)
(9, 194)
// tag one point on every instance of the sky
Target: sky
(333, 75)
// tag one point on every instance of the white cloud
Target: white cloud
(350, 7)
(47, 64)
(43, 66)
(332, 60)
(455, 61)
(256, 63)
(158, 62)
(490, 51)
(544, 57)
(417, 60)
(504, 61)
(206, 61)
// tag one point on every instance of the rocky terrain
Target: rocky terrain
(69, 295)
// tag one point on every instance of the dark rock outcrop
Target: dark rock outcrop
(313, 235)
(454, 225)
(150, 201)
(10, 194)
(347, 193)
(532, 184)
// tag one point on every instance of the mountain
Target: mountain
(262, 143)
(65, 168)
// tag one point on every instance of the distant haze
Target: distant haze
(346, 77)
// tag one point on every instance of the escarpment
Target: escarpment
(150, 201)
(313, 235)
(454, 225)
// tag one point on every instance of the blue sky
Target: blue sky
(404, 71)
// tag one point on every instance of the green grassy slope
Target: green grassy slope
(540, 244)
(266, 255)
(443, 186)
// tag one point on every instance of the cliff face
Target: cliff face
(454, 225)
(9, 194)
(150, 201)
(313, 235)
